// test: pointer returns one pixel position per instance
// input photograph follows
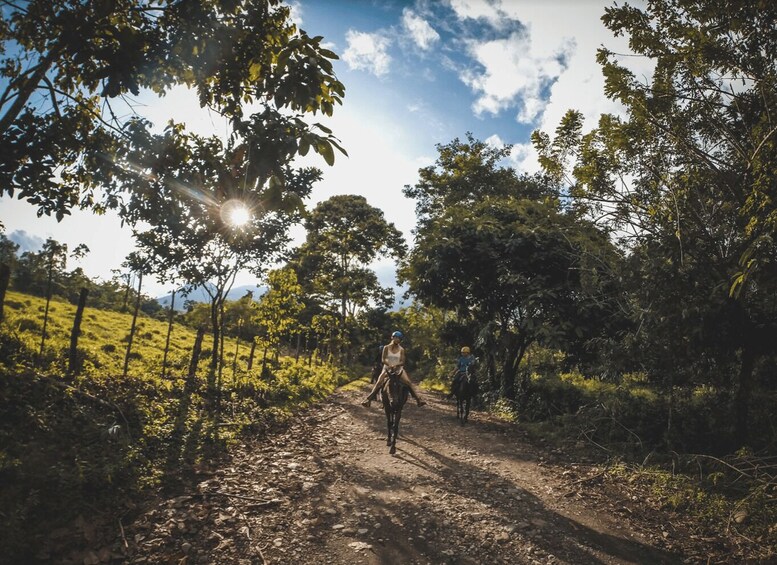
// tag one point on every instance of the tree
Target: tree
(214, 209)
(55, 255)
(278, 309)
(8, 251)
(344, 235)
(500, 251)
(71, 66)
(140, 265)
(688, 176)
(511, 266)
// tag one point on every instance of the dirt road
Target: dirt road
(326, 491)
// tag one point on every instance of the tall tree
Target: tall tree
(70, 66)
(501, 251)
(213, 210)
(512, 266)
(55, 255)
(689, 176)
(346, 234)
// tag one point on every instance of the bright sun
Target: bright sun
(235, 213)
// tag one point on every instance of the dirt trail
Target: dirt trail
(326, 491)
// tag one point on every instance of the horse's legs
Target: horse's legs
(389, 425)
(466, 411)
(395, 433)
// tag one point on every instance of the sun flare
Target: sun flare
(235, 213)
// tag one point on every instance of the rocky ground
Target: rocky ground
(324, 490)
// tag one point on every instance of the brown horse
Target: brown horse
(465, 389)
(393, 395)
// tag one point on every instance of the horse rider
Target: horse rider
(464, 362)
(393, 356)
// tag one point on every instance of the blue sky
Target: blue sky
(417, 73)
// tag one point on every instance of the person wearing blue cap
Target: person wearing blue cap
(393, 356)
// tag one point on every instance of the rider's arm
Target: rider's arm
(402, 356)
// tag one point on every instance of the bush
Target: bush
(28, 325)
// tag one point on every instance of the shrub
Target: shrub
(28, 325)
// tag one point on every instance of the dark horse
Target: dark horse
(394, 395)
(464, 390)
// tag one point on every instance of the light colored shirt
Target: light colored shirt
(393, 358)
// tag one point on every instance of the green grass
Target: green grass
(70, 443)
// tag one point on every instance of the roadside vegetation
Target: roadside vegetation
(88, 444)
(623, 300)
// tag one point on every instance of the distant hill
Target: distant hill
(199, 295)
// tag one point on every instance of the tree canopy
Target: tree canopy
(70, 70)
(687, 179)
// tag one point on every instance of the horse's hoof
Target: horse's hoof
(393, 450)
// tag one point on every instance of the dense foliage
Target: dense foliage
(70, 67)
(686, 179)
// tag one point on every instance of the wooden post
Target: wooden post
(251, 355)
(196, 353)
(72, 359)
(5, 276)
(134, 322)
(169, 331)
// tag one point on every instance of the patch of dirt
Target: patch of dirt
(326, 491)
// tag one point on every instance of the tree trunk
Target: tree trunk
(491, 370)
(234, 362)
(5, 276)
(126, 292)
(296, 353)
(46, 312)
(516, 347)
(72, 358)
(169, 331)
(742, 397)
(132, 328)
(251, 355)
(196, 350)
(216, 327)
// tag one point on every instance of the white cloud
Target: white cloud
(580, 84)
(495, 141)
(514, 70)
(26, 241)
(419, 29)
(478, 10)
(367, 52)
(295, 13)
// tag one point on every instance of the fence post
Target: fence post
(72, 359)
(5, 276)
(169, 331)
(196, 353)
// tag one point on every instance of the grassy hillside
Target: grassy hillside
(104, 336)
(73, 444)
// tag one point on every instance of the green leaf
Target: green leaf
(324, 148)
